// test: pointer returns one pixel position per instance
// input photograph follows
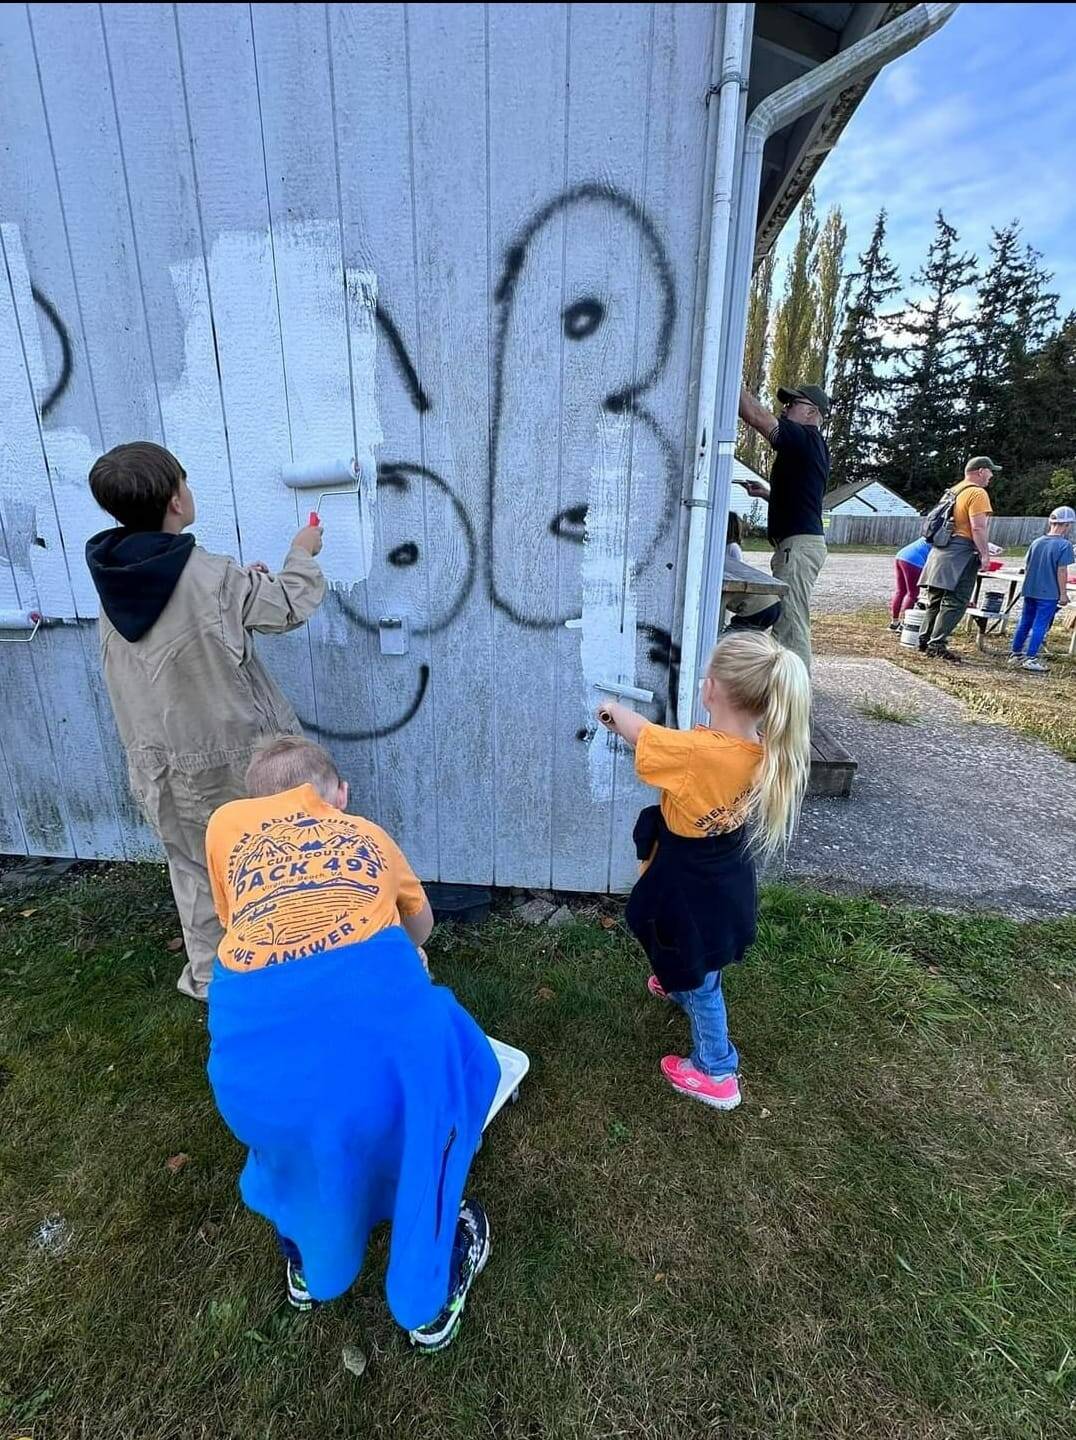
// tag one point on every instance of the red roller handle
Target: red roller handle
(314, 520)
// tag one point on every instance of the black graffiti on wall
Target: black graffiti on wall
(635, 327)
(49, 400)
(643, 348)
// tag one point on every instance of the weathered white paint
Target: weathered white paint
(217, 199)
(62, 592)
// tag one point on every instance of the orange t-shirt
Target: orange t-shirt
(293, 876)
(971, 500)
(705, 777)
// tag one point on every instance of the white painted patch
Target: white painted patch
(64, 589)
(244, 271)
(191, 412)
(607, 644)
(325, 312)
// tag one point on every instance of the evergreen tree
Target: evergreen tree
(828, 269)
(1052, 383)
(923, 449)
(793, 326)
(1016, 314)
(1060, 489)
(751, 448)
(860, 383)
(1048, 398)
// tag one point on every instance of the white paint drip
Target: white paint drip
(607, 643)
(361, 288)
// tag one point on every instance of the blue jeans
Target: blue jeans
(289, 1250)
(712, 1051)
(1035, 619)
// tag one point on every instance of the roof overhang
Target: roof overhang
(790, 40)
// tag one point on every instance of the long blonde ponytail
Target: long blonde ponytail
(762, 678)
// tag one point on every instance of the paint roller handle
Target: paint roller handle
(315, 519)
(621, 720)
(310, 539)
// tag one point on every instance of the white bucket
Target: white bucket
(914, 619)
(514, 1065)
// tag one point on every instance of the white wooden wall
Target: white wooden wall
(463, 239)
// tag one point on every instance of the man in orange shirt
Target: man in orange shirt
(950, 572)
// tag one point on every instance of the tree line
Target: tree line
(974, 358)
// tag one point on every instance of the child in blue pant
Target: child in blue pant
(1045, 588)
(729, 790)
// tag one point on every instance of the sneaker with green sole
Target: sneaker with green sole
(470, 1254)
(299, 1297)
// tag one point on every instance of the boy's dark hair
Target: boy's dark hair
(135, 482)
(734, 532)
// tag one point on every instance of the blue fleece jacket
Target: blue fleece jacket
(359, 1089)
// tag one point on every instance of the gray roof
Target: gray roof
(788, 41)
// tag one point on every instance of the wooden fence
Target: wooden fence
(898, 530)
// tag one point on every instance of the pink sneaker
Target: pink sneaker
(722, 1092)
(656, 988)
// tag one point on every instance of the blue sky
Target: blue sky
(977, 121)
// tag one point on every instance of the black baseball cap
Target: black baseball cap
(813, 394)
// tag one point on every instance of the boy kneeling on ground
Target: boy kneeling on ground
(358, 1086)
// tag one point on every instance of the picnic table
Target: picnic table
(1009, 583)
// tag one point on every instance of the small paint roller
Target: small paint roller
(626, 692)
(330, 477)
(19, 620)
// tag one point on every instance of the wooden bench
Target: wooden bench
(832, 768)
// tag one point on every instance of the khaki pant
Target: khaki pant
(178, 805)
(797, 561)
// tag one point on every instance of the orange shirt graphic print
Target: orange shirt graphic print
(293, 877)
(301, 879)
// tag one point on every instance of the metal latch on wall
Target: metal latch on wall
(394, 633)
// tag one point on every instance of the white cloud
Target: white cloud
(930, 135)
(902, 85)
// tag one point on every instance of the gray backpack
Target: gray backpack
(938, 525)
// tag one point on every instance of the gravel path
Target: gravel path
(944, 812)
(850, 582)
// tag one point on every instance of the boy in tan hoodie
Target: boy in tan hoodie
(191, 698)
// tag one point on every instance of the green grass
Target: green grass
(1039, 706)
(878, 1244)
(890, 714)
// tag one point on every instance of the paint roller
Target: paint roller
(30, 620)
(330, 477)
(626, 692)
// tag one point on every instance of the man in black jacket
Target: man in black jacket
(799, 478)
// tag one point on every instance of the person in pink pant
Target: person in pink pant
(909, 566)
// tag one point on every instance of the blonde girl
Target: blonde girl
(730, 791)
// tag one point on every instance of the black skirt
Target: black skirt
(695, 908)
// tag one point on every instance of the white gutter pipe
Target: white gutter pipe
(864, 58)
(731, 85)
